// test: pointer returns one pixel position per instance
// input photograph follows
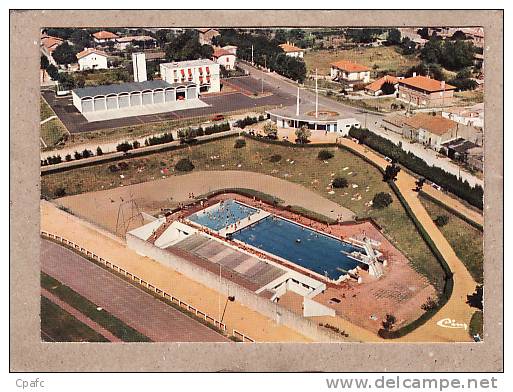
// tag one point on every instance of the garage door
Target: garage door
(99, 104)
(191, 92)
(135, 99)
(124, 101)
(87, 105)
(147, 100)
(170, 95)
(158, 96)
(112, 102)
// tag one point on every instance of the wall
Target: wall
(242, 295)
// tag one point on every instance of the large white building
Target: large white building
(91, 58)
(203, 73)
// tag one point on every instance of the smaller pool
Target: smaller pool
(222, 215)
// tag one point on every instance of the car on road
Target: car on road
(218, 117)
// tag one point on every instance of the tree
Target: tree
(393, 37)
(459, 35)
(44, 63)
(389, 322)
(184, 165)
(52, 71)
(187, 47)
(388, 88)
(303, 134)
(99, 151)
(270, 129)
(339, 182)
(66, 81)
(81, 39)
(64, 54)
(60, 192)
(136, 144)
(381, 200)
(476, 299)
(324, 155)
(124, 147)
(239, 143)
(408, 46)
(391, 172)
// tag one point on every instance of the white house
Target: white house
(224, 58)
(347, 71)
(91, 58)
(203, 72)
(292, 51)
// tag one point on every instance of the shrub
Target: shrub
(324, 155)
(87, 153)
(429, 304)
(381, 200)
(113, 168)
(339, 182)
(68, 157)
(275, 158)
(389, 322)
(60, 192)
(441, 220)
(136, 144)
(239, 143)
(123, 165)
(78, 155)
(124, 147)
(99, 151)
(164, 138)
(184, 165)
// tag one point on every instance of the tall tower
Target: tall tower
(139, 66)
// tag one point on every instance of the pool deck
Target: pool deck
(243, 223)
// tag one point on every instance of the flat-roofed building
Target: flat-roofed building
(425, 91)
(349, 72)
(203, 72)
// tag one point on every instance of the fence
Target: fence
(162, 293)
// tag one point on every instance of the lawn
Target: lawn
(306, 170)
(58, 325)
(383, 58)
(466, 240)
(82, 304)
(53, 131)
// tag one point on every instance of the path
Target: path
(136, 308)
(237, 316)
(464, 284)
(80, 316)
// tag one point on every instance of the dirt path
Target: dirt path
(102, 206)
(245, 320)
(456, 308)
(80, 316)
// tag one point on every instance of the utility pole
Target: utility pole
(252, 63)
(297, 101)
(219, 295)
(316, 96)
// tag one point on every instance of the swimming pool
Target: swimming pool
(222, 215)
(303, 246)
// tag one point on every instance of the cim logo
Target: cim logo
(449, 323)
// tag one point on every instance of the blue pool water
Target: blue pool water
(315, 251)
(222, 215)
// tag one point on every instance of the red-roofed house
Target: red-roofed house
(224, 57)
(205, 35)
(48, 45)
(91, 58)
(291, 50)
(424, 91)
(375, 87)
(103, 36)
(347, 71)
(430, 130)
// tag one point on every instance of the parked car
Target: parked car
(218, 117)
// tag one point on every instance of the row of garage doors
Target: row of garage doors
(138, 98)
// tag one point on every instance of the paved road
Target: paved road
(75, 122)
(148, 315)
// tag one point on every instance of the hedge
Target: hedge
(450, 182)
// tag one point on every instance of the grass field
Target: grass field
(383, 58)
(466, 240)
(82, 304)
(306, 170)
(58, 325)
(51, 131)
(470, 97)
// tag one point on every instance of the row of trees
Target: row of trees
(450, 182)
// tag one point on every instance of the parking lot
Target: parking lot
(75, 122)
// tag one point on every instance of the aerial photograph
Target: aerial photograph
(251, 185)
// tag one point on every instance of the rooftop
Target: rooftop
(426, 84)
(460, 145)
(434, 124)
(395, 119)
(288, 48)
(135, 38)
(105, 35)
(50, 42)
(121, 88)
(206, 29)
(218, 52)
(88, 51)
(377, 84)
(349, 66)
(188, 63)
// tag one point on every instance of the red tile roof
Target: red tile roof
(425, 83)
(105, 35)
(88, 51)
(218, 52)
(435, 124)
(288, 48)
(377, 84)
(349, 66)
(50, 43)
